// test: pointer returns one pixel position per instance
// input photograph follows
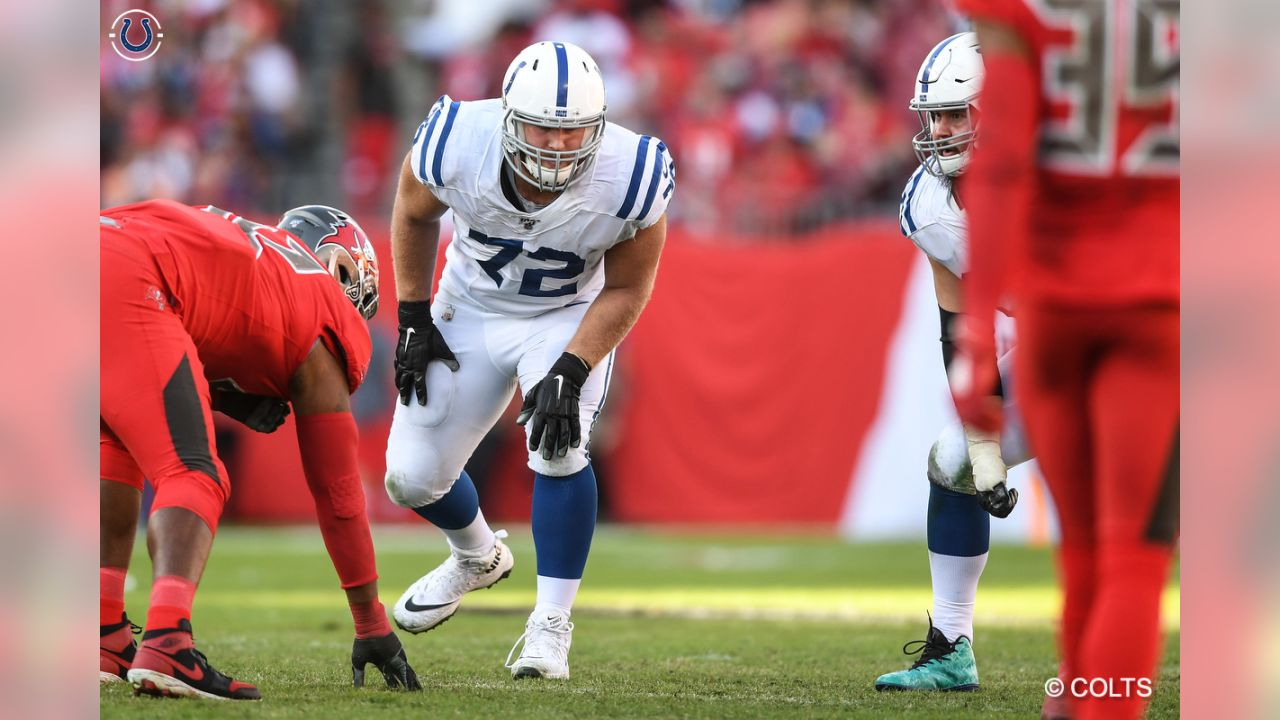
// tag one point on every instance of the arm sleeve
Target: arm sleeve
(328, 444)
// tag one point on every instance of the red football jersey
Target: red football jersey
(1103, 219)
(253, 298)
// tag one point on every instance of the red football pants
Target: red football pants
(1099, 390)
(156, 418)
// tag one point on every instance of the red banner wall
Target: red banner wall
(743, 394)
(753, 376)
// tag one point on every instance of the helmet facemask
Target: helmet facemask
(357, 275)
(949, 156)
(549, 170)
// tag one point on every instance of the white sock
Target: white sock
(556, 594)
(474, 539)
(955, 588)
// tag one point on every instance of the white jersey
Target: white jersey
(519, 263)
(930, 217)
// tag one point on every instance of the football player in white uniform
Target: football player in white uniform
(967, 468)
(559, 219)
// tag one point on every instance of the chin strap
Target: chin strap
(534, 168)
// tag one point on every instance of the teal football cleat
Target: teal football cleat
(942, 665)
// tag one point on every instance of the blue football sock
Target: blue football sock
(564, 518)
(957, 523)
(456, 509)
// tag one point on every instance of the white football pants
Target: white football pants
(429, 445)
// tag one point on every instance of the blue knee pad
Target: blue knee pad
(456, 509)
(564, 519)
(957, 523)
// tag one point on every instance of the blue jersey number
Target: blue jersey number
(531, 283)
(508, 250)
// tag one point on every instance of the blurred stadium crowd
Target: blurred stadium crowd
(783, 115)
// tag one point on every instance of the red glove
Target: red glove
(974, 375)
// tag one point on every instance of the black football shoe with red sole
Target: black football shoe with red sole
(169, 665)
(116, 650)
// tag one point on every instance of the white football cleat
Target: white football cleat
(434, 598)
(546, 638)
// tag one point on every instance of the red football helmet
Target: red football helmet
(341, 244)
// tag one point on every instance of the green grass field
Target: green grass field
(669, 624)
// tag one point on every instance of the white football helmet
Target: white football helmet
(552, 85)
(950, 79)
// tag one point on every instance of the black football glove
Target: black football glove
(999, 500)
(257, 412)
(420, 343)
(387, 654)
(552, 404)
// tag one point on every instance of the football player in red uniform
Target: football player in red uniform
(1074, 210)
(204, 310)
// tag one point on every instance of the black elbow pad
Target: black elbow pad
(949, 346)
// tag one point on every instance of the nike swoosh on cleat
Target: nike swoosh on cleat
(117, 656)
(194, 673)
(497, 560)
(412, 606)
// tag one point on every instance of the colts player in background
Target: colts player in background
(1074, 200)
(205, 310)
(967, 466)
(559, 220)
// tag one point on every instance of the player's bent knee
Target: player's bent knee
(193, 490)
(412, 492)
(949, 461)
(417, 481)
(571, 463)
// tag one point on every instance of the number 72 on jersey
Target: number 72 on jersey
(533, 281)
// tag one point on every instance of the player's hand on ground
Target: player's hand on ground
(552, 406)
(999, 500)
(974, 376)
(420, 343)
(387, 654)
(257, 412)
